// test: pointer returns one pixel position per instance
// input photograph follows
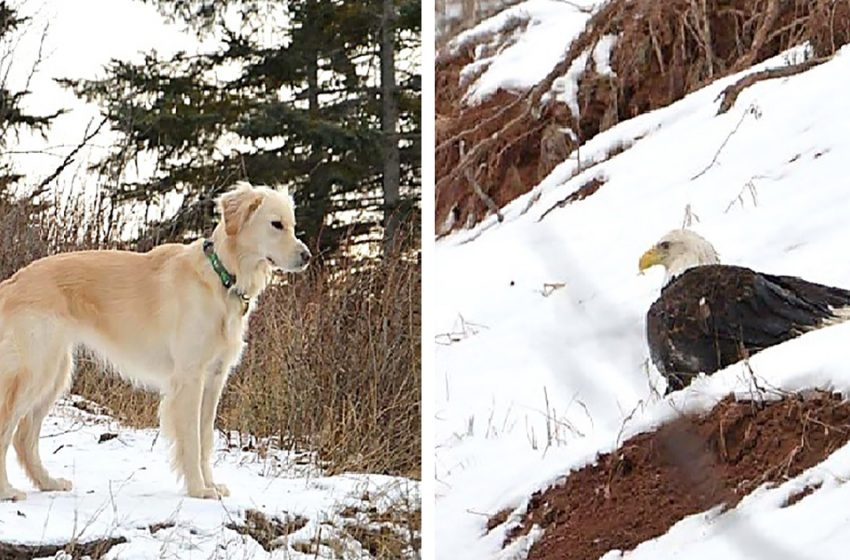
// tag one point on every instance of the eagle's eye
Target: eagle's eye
(664, 245)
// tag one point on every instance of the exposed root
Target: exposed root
(479, 192)
(580, 193)
(731, 93)
(95, 549)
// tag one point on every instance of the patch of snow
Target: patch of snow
(519, 548)
(124, 485)
(552, 26)
(602, 55)
(565, 88)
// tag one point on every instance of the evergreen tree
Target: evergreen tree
(303, 109)
(13, 118)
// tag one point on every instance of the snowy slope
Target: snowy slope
(123, 487)
(532, 51)
(522, 364)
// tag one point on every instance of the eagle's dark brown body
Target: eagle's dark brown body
(712, 316)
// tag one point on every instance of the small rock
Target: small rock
(106, 436)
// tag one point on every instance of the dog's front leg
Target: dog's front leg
(180, 419)
(212, 393)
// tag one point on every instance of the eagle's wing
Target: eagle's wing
(761, 310)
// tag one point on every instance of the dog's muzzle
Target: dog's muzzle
(305, 256)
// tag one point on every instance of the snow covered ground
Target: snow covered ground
(541, 355)
(123, 487)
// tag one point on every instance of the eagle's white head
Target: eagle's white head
(678, 251)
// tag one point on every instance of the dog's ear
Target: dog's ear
(237, 207)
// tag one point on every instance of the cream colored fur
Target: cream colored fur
(162, 318)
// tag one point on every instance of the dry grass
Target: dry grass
(332, 362)
(267, 530)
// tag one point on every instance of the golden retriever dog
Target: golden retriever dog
(172, 319)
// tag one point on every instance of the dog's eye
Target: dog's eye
(277, 225)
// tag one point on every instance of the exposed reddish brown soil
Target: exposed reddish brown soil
(685, 467)
(665, 50)
(459, 124)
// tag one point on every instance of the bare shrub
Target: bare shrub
(333, 363)
(24, 236)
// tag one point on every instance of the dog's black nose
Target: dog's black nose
(305, 256)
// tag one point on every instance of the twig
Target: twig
(551, 287)
(69, 159)
(690, 217)
(711, 164)
(750, 187)
(579, 7)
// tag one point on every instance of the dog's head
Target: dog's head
(261, 222)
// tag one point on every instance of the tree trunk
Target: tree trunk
(389, 124)
(317, 183)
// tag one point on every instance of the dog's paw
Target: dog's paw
(55, 485)
(204, 493)
(12, 494)
(222, 489)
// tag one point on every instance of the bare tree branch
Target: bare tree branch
(69, 159)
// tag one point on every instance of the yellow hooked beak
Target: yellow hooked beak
(649, 259)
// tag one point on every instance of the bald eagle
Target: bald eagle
(711, 315)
